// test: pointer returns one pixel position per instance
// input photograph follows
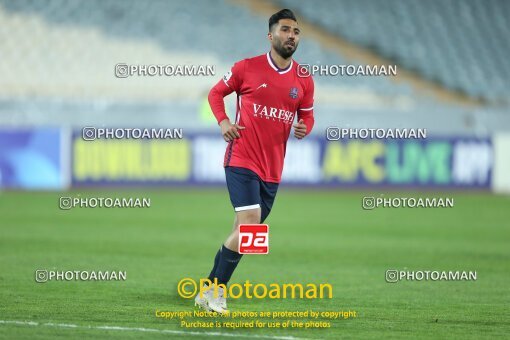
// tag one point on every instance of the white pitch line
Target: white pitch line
(141, 329)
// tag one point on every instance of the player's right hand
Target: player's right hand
(230, 131)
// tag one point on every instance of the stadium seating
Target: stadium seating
(58, 58)
(193, 28)
(463, 45)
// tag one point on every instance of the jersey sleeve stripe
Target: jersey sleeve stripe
(238, 113)
(307, 109)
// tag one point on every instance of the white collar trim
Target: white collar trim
(274, 67)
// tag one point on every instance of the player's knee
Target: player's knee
(248, 217)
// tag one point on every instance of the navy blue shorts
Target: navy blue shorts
(248, 191)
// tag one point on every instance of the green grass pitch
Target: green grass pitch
(316, 236)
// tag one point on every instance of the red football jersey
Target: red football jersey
(268, 100)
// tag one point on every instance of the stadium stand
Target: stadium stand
(419, 34)
(43, 43)
(121, 20)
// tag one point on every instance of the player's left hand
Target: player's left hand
(299, 130)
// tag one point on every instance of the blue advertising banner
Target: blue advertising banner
(461, 162)
(31, 159)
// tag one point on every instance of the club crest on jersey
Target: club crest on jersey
(293, 92)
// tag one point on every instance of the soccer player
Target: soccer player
(270, 92)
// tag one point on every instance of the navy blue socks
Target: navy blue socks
(225, 266)
(216, 261)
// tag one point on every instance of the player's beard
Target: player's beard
(285, 51)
